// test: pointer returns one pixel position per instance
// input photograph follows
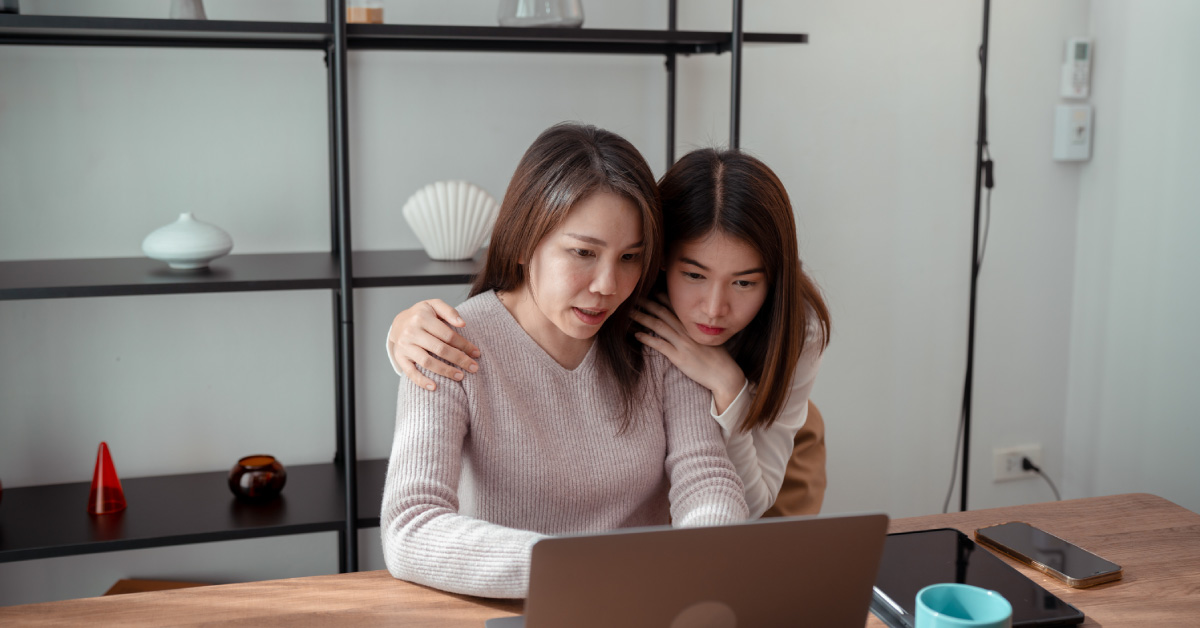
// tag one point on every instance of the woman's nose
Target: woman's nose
(605, 280)
(716, 303)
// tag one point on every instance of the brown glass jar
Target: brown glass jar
(257, 478)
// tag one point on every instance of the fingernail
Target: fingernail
(473, 368)
(429, 386)
(458, 376)
(475, 353)
(459, 321)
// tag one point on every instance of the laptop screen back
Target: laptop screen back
(788, 571)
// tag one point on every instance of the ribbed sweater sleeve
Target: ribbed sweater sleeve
(705, 488)
(425, 540)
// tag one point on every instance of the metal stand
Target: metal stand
(672, 24)
(340, 184)
(980, 142)
(735, 73)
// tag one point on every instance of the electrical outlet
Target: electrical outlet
(1007, 462)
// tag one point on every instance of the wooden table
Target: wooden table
(1156, 541)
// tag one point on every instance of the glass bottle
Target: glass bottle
(561, 13)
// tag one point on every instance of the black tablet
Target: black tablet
(914, 560)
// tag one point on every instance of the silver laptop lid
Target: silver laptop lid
(794, 571)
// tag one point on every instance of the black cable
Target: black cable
(957, 450)
(1028, 465)
(989, 181)
(987, 228)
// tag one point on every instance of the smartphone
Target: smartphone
(1049, 554)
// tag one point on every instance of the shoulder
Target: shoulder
(656, 365)
(480, 306)
(483, 314)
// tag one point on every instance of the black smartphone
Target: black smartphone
(1048, 554)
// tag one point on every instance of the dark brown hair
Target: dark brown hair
(730, 192)
(564, 165)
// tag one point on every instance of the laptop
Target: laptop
(794, 571)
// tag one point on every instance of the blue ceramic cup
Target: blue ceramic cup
(952, 605)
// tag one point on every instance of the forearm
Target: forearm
(705, 488)
(437, 547)
(424, 538)
(762, 455)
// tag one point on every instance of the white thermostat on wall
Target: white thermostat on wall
(1077, 68)
(1073, 132)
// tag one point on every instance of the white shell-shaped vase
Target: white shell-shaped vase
(452, 219)
(188, 10)
(187, 243)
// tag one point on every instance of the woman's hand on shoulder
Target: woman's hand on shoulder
(425, 332)
(711, 367)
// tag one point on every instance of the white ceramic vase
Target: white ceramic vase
(187, 10)
(187, 243)
(452, 219)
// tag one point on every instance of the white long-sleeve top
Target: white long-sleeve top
(761, 456)
(482, 469)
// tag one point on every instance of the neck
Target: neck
(569, 352)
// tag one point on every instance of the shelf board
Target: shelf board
(58, 30)
(122, 276)
(70, 30)
(52, 520)
(565, 40)
(380, 269)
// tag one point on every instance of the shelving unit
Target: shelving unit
(46, 521)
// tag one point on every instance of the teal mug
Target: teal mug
(950, 605)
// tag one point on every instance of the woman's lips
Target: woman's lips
(590, 317)
(711, 331)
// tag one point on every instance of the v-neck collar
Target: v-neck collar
(514, 330)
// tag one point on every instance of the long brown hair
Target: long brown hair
(564, 165)
(730, 192)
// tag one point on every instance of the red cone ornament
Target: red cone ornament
(106, 496)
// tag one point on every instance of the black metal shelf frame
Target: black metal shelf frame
(340, 271)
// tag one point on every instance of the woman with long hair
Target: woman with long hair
(740, 316)
(573, 427)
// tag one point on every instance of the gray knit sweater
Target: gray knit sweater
(482, 469)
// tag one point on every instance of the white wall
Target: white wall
(871, 126)
(1132, 422)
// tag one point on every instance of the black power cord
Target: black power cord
(989, 181)
(1028, 465)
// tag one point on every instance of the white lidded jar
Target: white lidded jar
(187, 243)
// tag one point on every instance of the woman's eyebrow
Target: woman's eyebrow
(598, 242)
(688, 260)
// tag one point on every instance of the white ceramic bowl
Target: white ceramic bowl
(187, 243)
(452, 219)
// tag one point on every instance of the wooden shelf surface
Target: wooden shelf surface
(52, 520)
(55, 30)
(122, 276)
